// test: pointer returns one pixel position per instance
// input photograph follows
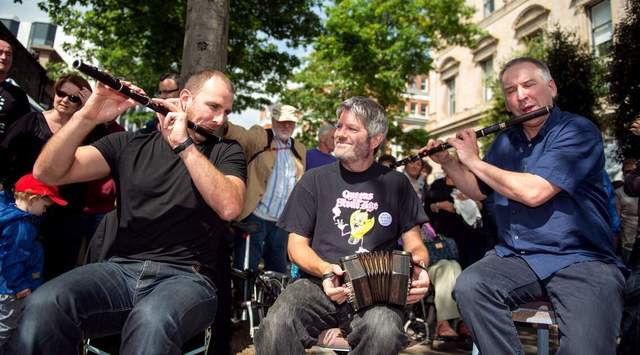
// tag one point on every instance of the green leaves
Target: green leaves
(373, 48)
(140, 40)
(625, 81)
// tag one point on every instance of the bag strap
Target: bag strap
(268, 147)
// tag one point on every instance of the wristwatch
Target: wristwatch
(182, 146)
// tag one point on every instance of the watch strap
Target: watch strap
(182, 146)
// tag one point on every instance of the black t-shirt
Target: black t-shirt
(344, 212)
(13, 105)
(161, 214)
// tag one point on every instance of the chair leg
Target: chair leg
(475, 350)
(543, 340)
(204, 348)
(88, 348)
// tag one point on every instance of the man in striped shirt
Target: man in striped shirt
(275, 163)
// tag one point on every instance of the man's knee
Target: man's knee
(286, 308)
(284, 320)
(468, 286)
(49, 301)
(383, 325)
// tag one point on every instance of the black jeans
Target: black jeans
(586, 297)
(303, 310)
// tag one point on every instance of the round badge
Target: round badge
(384, 219)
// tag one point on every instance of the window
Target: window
(414, 108)
(12, 25)
(601, 29)
(423, 84)
(489, 6)
(451, 92)
(423, 110)
(42, 34)
(487, 77)
(531, 22)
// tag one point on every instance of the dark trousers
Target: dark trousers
(303, 310)
(587, 299)
(268, 243)
(630, 343)
(155, 306)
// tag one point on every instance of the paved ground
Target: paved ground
(242, 345)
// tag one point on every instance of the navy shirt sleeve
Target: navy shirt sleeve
(489, 158)
(571, 156)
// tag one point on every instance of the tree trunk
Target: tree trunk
(205, 37)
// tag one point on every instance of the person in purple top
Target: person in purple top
(322, 155)
(543, 182)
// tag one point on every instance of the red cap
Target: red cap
(32, 185)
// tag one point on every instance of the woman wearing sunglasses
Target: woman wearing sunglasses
(25, 138)
(62, 229)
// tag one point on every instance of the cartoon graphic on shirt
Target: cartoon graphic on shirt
(360, 224)
(361, 218)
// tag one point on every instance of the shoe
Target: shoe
(445, 332)
(466, 345)
(463, 331)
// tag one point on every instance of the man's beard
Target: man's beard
(283, 136)
(355, 153)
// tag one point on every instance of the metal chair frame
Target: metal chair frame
(538, 314)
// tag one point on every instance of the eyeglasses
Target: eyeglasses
(73, 98)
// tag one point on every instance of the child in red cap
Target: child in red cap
(21, 257)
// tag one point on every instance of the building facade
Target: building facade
(42, 39)
(26, 71)
(416, 106)
(459, 84)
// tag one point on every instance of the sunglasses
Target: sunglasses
(73, 98)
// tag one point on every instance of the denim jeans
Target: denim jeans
(303, 311)
(155, 306)
(270, 243)
(10, 313)
(586, 298)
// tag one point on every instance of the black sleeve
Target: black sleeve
(17, 130)
(111, 147)
(11, 141)
(22, 104)
(15, 103)
(231, 161)
(299, 214)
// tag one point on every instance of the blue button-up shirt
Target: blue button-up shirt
(280, 184)
(573, 226)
